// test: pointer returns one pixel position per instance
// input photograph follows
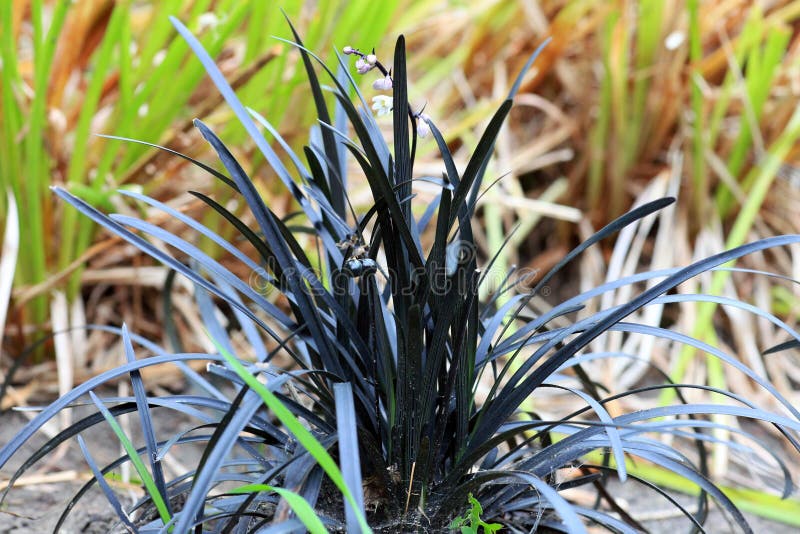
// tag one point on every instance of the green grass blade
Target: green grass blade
(37, 163)
(299, 505)
(144, 475)
(648, 37)
(700, 184)
(11, 117)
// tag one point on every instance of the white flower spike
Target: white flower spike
(382, 104)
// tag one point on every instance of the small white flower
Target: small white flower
(383, 84)
(382, 104)
(362, 66)
(207, 20)
(347, 50)
(57, 120)
(372, 59)
(674, 40)
(159, 57)
(423, 130)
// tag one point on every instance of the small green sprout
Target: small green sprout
(472, 523)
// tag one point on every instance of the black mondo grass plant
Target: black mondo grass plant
(378, 424)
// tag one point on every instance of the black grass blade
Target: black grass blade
(107, 491)
(349, 458)
(145, 420)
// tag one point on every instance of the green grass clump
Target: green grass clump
(72, 71)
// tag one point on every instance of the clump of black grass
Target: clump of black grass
(389, 340)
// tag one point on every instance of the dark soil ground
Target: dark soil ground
(35, 508)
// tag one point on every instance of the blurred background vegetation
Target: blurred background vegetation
(631, 100)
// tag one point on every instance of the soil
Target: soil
(36, 507)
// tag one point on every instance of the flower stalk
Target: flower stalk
(381, 104)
